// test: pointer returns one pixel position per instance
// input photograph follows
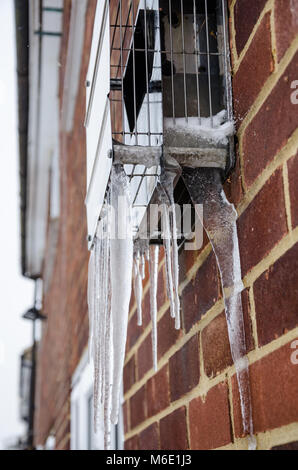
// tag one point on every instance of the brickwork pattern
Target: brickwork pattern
(192, 402)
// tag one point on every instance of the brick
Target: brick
(132, 443)
(246, 14)
(290, 446)
(167, 334)
(132, 300)
(274, 385)
(263, 224)
(129, 374)
(233, 185)
(201, 294)
(146, 310)
(173, 431)
(161, 298)
(293, 188)
(161, 289)
(149, 438)
(250, 344)
(125, 408)
(215, 340)
(285, 13)
(276, 298)
(138, 407)
(133, 332)
(209, 419)
(187, 258)
(158, 392)
(271, 128)
(145, 361)
(184, 369)
(254, 70)
(216, 346)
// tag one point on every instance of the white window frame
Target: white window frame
(81, 424)
(98, 126)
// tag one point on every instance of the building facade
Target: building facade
(82, 92)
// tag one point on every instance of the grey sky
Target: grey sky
(16, 293)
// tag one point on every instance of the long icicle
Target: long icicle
(167, 181)
(121, 258)
(219, 220)
(153, 270)
(91, 276)
(166, 197)
(168, 255)
(138, 284)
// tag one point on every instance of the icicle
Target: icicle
(108, 369)
(140, 250)
(138, 285)
(153, 270)
(142, 266)
(166, 194)
(167, 244)
(219, 220)
(121, 257)
(96, 333)
(91, 275)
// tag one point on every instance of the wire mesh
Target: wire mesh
(169, 59)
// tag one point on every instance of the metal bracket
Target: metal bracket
(172, 158)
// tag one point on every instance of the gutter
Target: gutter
(22, 52)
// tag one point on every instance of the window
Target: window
(168, 60)
(82, 429)
(98, 121)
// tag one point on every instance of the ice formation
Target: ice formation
(219, 220)
(100, 348)
(153, 270)
(166, 198)
(109, 291)
(114, 261)
(218, 133)
(140, 250)
(121, 256)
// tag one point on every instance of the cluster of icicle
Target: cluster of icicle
(117, 261)
(113, 260)
(143, 252)
(109, 290)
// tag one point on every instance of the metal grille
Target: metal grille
(136, 99)
(169, 60)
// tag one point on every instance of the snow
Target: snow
(218, 133)
(219, 220)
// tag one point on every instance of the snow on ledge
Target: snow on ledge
(217, 134)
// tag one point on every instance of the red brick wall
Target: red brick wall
(65, 334)
(192, 401)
